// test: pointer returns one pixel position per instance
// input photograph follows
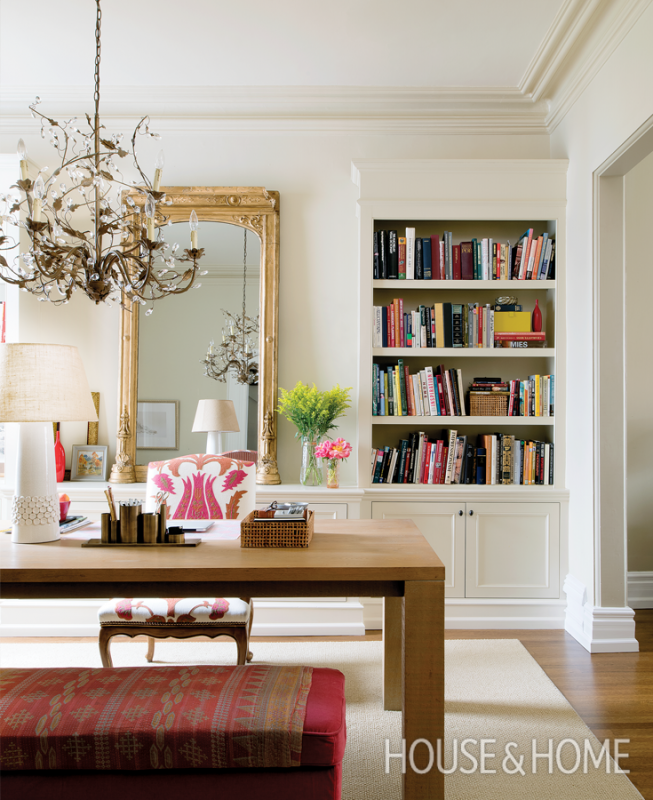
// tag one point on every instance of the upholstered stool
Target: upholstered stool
(178, 618)
(167, 732)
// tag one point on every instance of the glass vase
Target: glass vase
(332, 472)
(311, 474)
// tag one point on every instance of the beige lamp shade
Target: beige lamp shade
(215, 415)
(43, 383)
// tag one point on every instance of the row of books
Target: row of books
(496, 459)
(413, 257)
(397, 393)
(452, 325)
(439, 393)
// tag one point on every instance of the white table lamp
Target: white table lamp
(40, 384)
(214, 417)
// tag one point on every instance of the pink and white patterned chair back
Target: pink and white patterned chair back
(202, 486)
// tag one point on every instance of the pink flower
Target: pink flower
(164, 482)
(339, 449)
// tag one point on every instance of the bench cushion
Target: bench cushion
(175, 611)
(170, 717)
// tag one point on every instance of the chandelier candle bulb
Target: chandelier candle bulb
(37, 204)
(194, 225)
(158, 170)
(21, 150)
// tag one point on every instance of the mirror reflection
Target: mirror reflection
(175, 338)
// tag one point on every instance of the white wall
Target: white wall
(614, 105)
(318, 303)
(639, 375)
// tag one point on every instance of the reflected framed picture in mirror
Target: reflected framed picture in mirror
(89, 462)
(157, 425)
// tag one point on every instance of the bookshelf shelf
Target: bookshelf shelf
(464, 352)
(456, 422)
(503, 286)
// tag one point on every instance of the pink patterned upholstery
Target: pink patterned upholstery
(174, 611)
(202, 487)
(199, 486)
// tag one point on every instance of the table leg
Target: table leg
(423, 668)
(392, 653)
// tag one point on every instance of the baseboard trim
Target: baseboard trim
(640, 589)
(599, 630)
(271, 618)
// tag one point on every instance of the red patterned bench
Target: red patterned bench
(170, 732)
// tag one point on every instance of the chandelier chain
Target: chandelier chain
(244, 283)
(98, 53)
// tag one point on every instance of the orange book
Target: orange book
(538, 253)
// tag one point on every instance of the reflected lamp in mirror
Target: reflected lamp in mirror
(39, 384)
(215, 417)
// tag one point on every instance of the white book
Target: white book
(451, 456)
(433, 408)
(484, 244)
(489, 260)
(545, 397)
(441, 254)
(417, 392)
(418, 459)
(410, 254)
(377, 333)
(432, 463)
(461, 393)
(493, 465)
(393, 465)
(426, 406)
(490, 333)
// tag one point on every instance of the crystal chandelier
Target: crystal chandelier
(122, 254)
(237, 351)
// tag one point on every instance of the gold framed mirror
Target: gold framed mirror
(257, 210)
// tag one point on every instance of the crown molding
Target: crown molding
(582, 37)
(394, 110)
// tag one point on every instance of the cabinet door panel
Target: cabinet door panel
(443, 527)
(512, 550)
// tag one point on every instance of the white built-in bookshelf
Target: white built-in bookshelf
(496, 540)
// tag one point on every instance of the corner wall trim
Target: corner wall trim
(599, 630)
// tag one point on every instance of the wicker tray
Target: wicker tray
(271, 533)
(488, 404)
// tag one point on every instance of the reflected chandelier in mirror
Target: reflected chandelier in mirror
(257, 210)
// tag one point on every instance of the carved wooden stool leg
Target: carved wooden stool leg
(103, 642)
(240, 635)
(150, 648)
(250, 655)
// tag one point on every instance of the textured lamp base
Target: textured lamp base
(35, 507)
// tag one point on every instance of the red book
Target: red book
(402, 332)
(444, 411)
(455, 258)
(395, 305)
(426, 460)
(406, 468)
(437, 266)
(466, 261)
(401, 249)
(391, 326)
(520, 336)
(443, 469)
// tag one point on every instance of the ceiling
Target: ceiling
(420, 43)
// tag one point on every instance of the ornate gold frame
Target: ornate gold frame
(256, 209)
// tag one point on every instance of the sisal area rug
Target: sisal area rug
(495, 691)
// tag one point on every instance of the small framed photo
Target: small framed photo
(89, 462)
(157, 425)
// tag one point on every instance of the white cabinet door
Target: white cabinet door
(513, 550)
(443, 526)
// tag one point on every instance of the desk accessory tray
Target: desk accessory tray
(189, 542)
(276, 533)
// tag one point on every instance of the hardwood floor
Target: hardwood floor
(611, 692)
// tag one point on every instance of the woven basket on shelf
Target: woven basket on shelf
(275, 533)
(488, 404)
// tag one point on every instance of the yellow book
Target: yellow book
(439, 324)
(512, 321)
(387, 396)
(395, 372)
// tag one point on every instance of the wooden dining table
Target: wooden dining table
(367, 558)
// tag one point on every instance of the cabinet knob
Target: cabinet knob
(471, 512)
(460, 513)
